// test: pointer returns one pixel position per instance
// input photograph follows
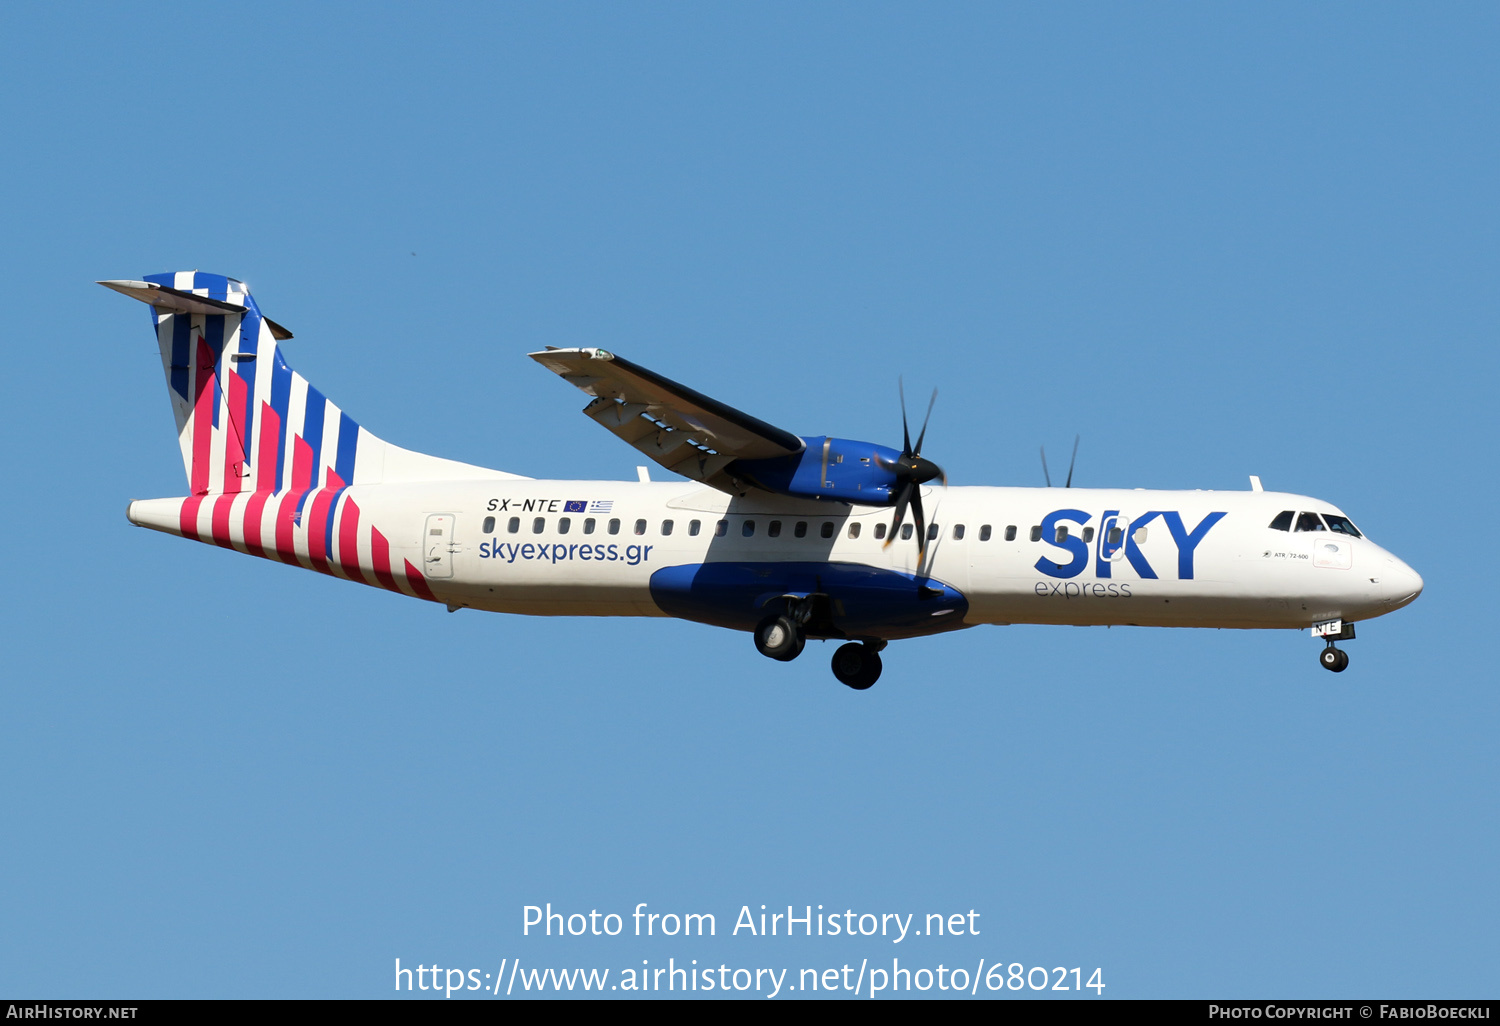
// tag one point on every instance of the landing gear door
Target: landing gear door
(438, 546)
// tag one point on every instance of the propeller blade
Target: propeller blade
(905, 434)
(1072, 461)
(923, 433)
(1044, 467)
(921, 524)
(903, 499)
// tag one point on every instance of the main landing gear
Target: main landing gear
(779, 637)
(856, 664)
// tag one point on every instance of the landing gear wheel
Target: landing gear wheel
(857, 665)
(1334, 659)
(779, 638)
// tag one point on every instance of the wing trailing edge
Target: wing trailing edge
(677, 427)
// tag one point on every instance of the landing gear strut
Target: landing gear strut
(857, 665)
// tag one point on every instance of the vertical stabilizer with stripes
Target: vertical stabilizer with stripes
(268, 457)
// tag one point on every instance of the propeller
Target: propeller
(1048, 477)
(911, 472)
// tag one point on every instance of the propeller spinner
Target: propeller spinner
(911, 472)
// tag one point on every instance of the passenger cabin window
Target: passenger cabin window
(958, 532)
(640, 527)
(1283, 521)
(854, 528)
(827, 529)
(694, 527)
(1341, 525)
(1116, 535)
(489, 525)
(748, 528)
(1139, 535)
(906, 530)
(588, 526)
(564, 524)
(1036, 533)
(1062, 534)
(514, 526)
(879, 531)
(773, 529)
(666, 528)
(1088, 536)
(984, 533)
(1010, 533)
(721, 528)
(614, 526)
(538, 525)
(800, 531)
(932, 532)
(1309, 522)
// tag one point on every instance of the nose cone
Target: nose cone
(1402, 584)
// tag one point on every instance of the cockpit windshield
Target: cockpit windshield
(1313, 522)
(1309, 522)
(1341, 525)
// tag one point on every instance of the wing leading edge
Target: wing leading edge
(684, 431)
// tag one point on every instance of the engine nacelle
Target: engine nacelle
(828, 468)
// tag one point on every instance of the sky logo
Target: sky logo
(1054, 533)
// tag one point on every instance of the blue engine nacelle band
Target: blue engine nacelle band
(828, 468)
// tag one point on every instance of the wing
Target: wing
(683, 430)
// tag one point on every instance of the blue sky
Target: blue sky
(1214, 241)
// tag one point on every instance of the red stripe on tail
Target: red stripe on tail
(265, 477)
(349, 542)
(302, 462)
(203, 422)
(418, 582)
(220, 520)
(188, 519)
(234, 445)
(380, 559)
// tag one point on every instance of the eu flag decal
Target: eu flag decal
(575, 506)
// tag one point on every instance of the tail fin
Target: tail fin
(246, 421)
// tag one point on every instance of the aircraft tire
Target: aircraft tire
(856, 665)
(1335, 660)
(777, 637)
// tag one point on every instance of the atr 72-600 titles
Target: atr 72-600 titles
(787, 537)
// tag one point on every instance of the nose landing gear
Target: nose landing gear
(1334, 658)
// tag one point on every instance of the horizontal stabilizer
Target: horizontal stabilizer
(177, 301)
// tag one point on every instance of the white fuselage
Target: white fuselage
(589, 548)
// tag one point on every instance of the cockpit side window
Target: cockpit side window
(1283, 521)
(1309, 522)
(1341, 525)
